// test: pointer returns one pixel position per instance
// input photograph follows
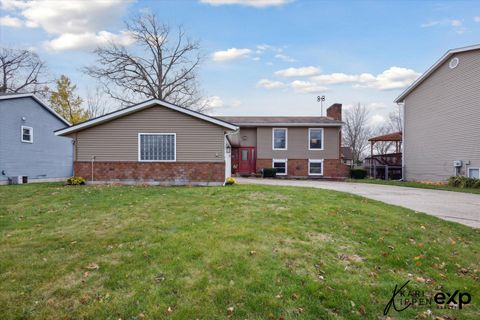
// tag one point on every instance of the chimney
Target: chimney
(335, 111)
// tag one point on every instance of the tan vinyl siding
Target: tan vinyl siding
(298, 144)
(442, 120)
(117, 140)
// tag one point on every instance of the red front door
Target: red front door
(246, 160)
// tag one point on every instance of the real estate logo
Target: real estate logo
(404, 298)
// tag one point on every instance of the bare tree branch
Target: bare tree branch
(21, 71)
(356, 131)
(161, 65)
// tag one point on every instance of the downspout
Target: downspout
(93, 160)
(402, 105)
(225, 152)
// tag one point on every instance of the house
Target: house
(442, 118)
(298, 147)
(29, 148)
(153, 142)
(347, 156)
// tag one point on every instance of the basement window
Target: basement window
(157, 147)
(315, 167)
(27, 134)
(281, 166)
(474, 173)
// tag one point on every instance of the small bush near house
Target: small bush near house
(464, 182)
(75, 181)
(230, 181)
(358, 173)
(269, 172)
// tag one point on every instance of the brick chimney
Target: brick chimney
(335, 111)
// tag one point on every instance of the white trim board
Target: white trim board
(138, 107)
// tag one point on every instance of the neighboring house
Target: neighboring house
(347, 156)
(153, 142)
(298, 147)
(442, 118)
(28, 146)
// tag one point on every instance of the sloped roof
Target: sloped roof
(430, 70)
(10, 96)
(137, 107)
(396, 136)
(281, 121)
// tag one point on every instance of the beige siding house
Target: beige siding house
(153, 142)
(298, 147)
(442, 119)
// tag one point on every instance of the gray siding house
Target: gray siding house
(28, 145)
(442, 119)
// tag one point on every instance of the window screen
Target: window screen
(280, 166)
(27, 134)
(279, 138)
(157, 147)
(315, 167)
(316, 138)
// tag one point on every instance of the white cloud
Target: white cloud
(476, 19)
(307, 87)
(250, 3)
(214, 102)
(284, 57)
(456, 24)
(269, 84)
(377, 119)
(71, 21)
(231, 54)
(298, 72)
(392, 78)
(88, 40)
(8, 21)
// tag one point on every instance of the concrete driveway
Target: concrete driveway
(459, 207)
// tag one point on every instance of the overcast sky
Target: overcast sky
(263, 57)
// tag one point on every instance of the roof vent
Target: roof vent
(453, 63)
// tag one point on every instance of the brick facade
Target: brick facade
(152, 172)
(298, 168)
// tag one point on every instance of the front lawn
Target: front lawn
(414, 184)
(240, 252)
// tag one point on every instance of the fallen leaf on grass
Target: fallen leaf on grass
(92, 266)
(230, 310)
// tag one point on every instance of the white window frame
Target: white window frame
(323, 139)
(472, 168)
(315, 161)
(157, 134)
(286, 166)
(273, 138)
(31, 134)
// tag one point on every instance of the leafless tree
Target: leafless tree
(95, 103)
(382, 147)
(21, 71)
(395, 119)
(160, 64)
(356, 130)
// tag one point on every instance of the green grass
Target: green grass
(192, 253)
(413, 184)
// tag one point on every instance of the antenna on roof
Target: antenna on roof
(321, 99)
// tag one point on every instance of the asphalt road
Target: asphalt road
(459, 207)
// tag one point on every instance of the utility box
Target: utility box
(457, 163)
(16, 180)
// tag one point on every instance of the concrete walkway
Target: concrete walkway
(459, 207)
